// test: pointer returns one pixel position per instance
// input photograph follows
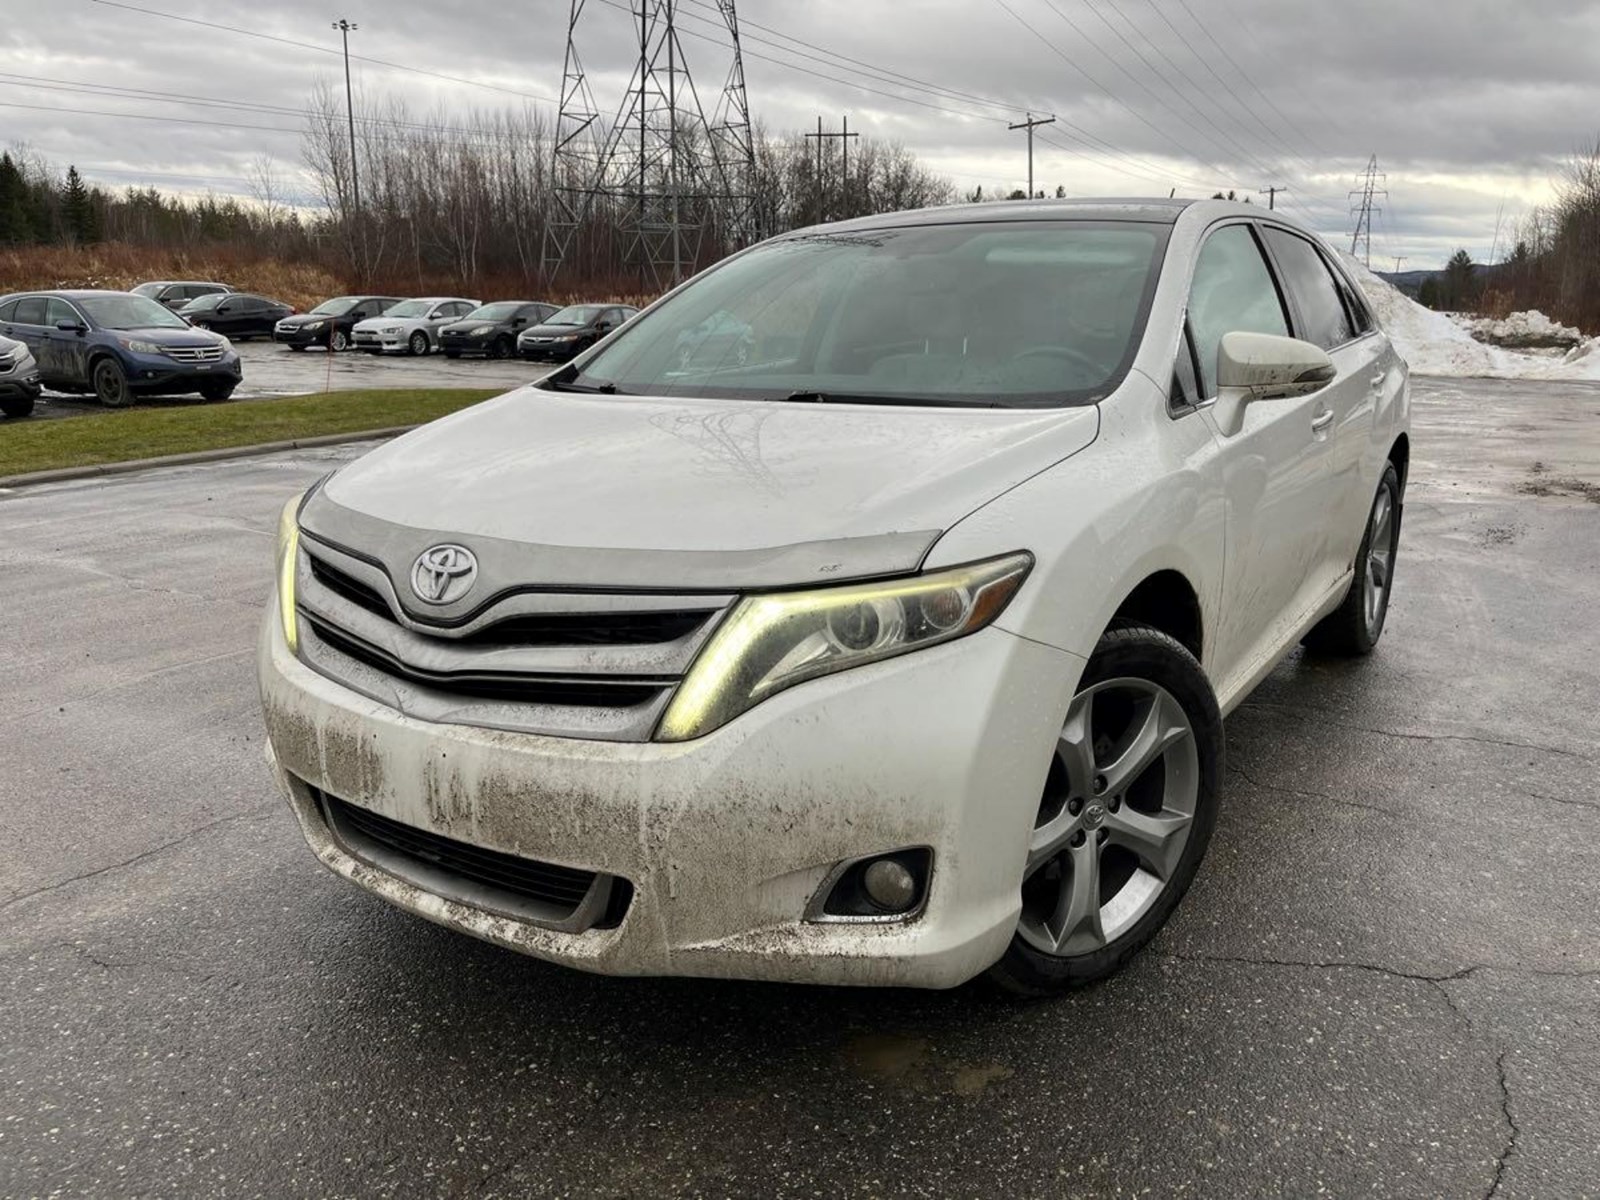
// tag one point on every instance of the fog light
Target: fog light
(889, 884)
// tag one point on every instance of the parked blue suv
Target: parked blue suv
(118, 346)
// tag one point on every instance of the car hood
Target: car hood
(373, 324)
(163, 335)
(558, 489)
(308, 318)
(555, 330)
(459, 326)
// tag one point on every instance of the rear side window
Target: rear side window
(7, 310)
(1232, 292)
(1323, 319)
(30, 311)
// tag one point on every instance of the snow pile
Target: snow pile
(1433, 344)
(1524, 331)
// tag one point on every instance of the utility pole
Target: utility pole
(1398, 259)
(345, 28)
(1030, 124)
(1271, 193)
(1367, 190)
(844, 135)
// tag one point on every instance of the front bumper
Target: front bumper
(156, 374)
(20, 385)
(455, 344)
(725, 839)
(379, 343)
(547, 351)
(297, 336)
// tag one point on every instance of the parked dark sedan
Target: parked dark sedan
(237, 314)
(329, 323)
(492, 329)
(175, 293)
(118, 346)
(571, 331)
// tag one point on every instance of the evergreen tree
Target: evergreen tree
(15, 226)
(78, 211)
(1428, 293)
(1459, 288)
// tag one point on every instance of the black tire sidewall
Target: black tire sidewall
(125, 394)
(1143, 653)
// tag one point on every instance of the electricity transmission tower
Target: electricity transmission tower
(661, 171)
(1367, 189)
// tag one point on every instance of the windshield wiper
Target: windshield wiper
(864, 398)
(564, 385)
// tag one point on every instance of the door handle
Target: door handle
(1320, 422)
(1379, 379)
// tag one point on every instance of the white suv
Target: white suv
(893, 650)
(411, 326)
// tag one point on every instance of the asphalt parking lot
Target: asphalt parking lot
(1385, 982)
(274, 370)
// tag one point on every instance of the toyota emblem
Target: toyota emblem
(444, 574)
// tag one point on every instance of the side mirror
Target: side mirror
(1264, 366)
(72, 327)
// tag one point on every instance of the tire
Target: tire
(17, 406)
(1353, 629)
(502, 348)
(452, 354)
(111, 384)
(338, 341)
(418, 345)
(1132, 832)
(217, 389)
(294, 347)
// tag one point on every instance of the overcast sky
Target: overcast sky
(1470, 106)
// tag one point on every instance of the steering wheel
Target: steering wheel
(1094, 369)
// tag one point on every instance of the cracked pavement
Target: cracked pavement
(1385, 981)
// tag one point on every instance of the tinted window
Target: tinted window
(1232, 291)
(30, 311)
(1025, 314)
(147, 289)
(7, 309)
(1323, 320)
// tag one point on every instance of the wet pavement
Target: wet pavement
(274, 370)
(1385, 981)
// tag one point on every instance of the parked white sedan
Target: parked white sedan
(894, 651)
(410, 327)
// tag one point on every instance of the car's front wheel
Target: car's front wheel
(111, 384)
(339, 341)
(418, 345)
(502, 348)
(17, 406)
(1128, 808)
(217, 389)
(1353, 629)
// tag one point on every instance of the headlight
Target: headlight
(482, 330)
(775, 641)
(288, 557)
(141, 347)
(390, 329)
(314, 326)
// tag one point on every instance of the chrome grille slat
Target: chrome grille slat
(194, 354)
(578, 670)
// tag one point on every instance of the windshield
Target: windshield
(211, 301)
(408, 308)
(148, 289)
(335, 308)
(1022, 314)
(577, 314)
(130, 312)
(502, 311)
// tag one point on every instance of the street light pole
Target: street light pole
(345, 28)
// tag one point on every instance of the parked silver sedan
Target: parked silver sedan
(410, 327)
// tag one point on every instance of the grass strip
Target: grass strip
(118, 436)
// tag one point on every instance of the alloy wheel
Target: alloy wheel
(1380, 559)
(340, 340)
(419, 343)
(1119, 805)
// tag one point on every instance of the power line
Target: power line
(377, 62)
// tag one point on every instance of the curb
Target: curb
(65, 474)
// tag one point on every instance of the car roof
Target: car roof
(1160, 210)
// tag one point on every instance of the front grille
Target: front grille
(194, 354)
(548, 894)
(523, 689)
(591, 665)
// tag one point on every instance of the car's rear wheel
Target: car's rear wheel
(418, 345)
(1353, 629)
(17, 406)
(339, 340)
(111, 384)
(1128, 807)
(217, 389)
